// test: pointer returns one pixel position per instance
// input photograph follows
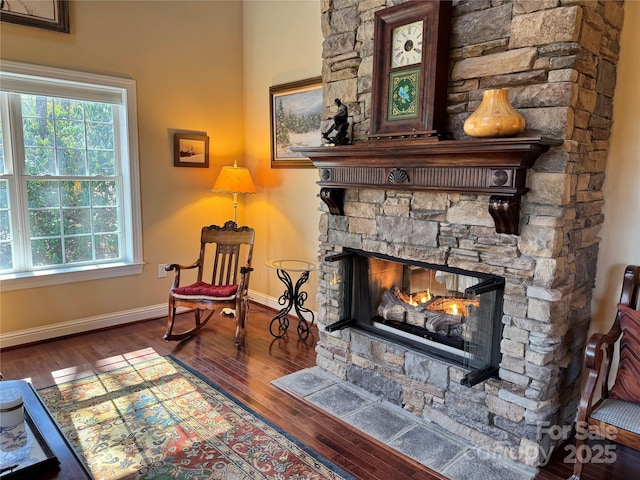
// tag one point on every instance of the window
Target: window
(69, 186)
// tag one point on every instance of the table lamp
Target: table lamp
(234, 180)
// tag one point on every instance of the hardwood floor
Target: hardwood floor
(246, 373)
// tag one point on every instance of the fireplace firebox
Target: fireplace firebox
(451, 314)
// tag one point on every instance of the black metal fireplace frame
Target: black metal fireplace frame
(357, 313)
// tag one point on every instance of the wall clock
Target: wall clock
(410, 69)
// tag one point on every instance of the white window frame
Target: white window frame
(15, 74)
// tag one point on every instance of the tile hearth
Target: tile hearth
(420, 440)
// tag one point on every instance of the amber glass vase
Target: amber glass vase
(494, 117)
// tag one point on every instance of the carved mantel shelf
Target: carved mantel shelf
(496, 166)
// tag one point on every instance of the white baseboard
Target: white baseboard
(32, 335)
(265, 300)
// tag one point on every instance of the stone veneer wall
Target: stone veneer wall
(558, 58)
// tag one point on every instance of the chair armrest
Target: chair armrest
(598, 360)
(593, 359)
(178, 268)
(243, 287)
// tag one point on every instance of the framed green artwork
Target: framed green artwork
(403, 94)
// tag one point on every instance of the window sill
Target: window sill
(45, 278)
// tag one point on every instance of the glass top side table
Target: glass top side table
(293, 297)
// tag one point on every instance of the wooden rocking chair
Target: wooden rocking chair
(616, 415)
(229, 279)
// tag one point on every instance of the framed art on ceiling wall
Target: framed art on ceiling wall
(47, 14)
(296, 113)
(190, 150)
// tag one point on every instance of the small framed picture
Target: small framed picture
(296, 113)
(190, 150)
(50, 15)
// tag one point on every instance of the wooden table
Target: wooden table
(70, 467)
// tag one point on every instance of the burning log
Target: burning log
(438, 315)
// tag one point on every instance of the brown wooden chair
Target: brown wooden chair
(230, 267)
(612, 416)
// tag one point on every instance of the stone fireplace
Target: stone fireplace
(558, 59)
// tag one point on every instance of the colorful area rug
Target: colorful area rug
(160, 420)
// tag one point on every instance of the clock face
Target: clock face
(407, 44)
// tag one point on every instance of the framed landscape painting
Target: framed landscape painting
(296, 113)
(190, 150)
(47, 14)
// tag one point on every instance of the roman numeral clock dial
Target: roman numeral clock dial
(407, 45)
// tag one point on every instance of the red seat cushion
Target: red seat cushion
(627, 386)
(206, 290)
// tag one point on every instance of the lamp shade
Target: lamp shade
(234, 180)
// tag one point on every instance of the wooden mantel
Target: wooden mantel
(496, 166)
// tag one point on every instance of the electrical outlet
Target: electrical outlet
(162, 273)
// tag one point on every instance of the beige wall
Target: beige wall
(189, 61)
(283, 43)
(620, 233)
(195, 70)
(186, 58)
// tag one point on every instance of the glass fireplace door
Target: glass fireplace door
(449, 313)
